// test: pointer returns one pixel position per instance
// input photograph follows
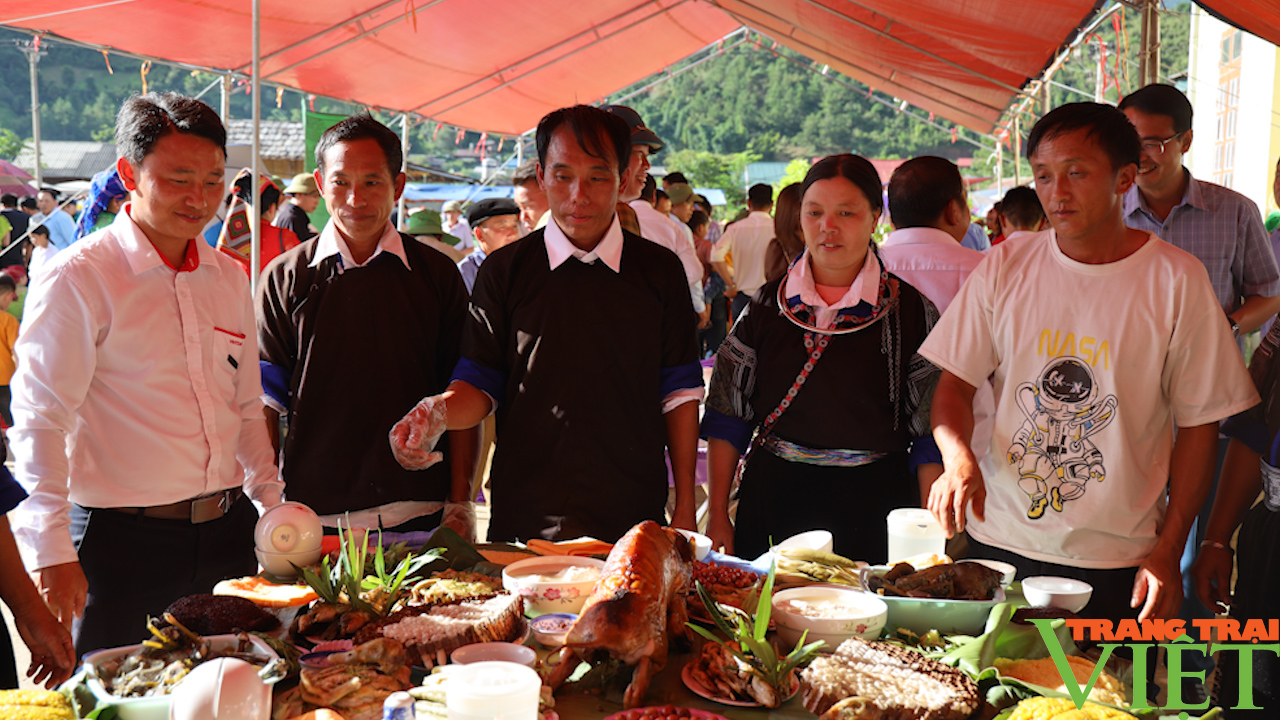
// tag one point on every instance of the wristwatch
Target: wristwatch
(1235, 327)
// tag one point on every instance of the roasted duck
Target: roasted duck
(637, 606)
(956, 581)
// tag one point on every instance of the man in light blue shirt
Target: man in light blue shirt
(62, 229)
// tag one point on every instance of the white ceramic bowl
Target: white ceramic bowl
(701, 544)
(859, 614)
(814, 540)
(288, 527)
(553, 628)
(221, 689)
(1060, 592)
(1008, 571)
(155, 708)
(920, 615)
(279, 564)
(541, 597)
(485, 652)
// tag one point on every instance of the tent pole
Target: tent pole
(226, 99)
(255, 215)
(1017, 151)
(401, 218)
(999, 168)
(1149, 57)
(33, 52)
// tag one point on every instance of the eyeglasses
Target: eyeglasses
(1156, 147)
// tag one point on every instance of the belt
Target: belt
(794, 452)
(196, 510)
(1270, 486)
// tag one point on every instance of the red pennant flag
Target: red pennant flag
(436, 134)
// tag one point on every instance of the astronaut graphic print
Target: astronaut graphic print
(1052, 451)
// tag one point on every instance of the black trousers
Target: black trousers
(136, 566)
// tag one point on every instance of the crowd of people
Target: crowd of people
(1053, 390)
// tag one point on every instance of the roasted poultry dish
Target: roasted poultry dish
(638, 605)
(954, 581)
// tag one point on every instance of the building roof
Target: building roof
(278, 138)
(68, 160)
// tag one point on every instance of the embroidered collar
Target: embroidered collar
(873, 300)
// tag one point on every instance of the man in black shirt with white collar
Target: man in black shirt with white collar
(582, 338)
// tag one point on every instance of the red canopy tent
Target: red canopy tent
(499, 65)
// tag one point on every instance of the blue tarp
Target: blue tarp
(434, 192)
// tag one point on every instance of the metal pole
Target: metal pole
(519, 150)
(255, 216)
(402, 220)
(226, 99)
(33, 52)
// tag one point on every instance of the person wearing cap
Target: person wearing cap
(654, 226)
(302, 199)
(582, 339)
(457, 224)
(424, 225)
(355, 326)
(495, 222)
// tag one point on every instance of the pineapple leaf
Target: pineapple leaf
(764, 606)
(713, 609)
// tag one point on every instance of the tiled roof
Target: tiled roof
(277, 138)
(68, 160)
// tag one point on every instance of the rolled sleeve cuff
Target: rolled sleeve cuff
(679, 397)
(275, 386)
(924, 450)
(1250, 432)
(680, 377)
(487, 380)
(11, 493)
(735, 431)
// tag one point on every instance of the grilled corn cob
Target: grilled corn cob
(1043, 708)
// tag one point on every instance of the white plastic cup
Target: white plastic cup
(914, 531)
(493, 690)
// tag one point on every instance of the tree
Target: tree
(717, 170)
(10, 144)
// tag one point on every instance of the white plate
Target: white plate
(697, 688)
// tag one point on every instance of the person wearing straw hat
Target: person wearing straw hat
(302, 199)
(425, 226)
(458, 227)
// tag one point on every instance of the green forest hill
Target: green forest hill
(750, 103)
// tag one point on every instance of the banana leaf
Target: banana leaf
(458, 555)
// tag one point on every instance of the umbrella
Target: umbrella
(13, 179)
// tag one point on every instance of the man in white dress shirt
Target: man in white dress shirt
(744, 244)
(654, 226)
(138, 428)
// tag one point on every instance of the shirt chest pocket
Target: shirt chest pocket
(228, 350)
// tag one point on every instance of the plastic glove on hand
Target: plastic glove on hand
(460, 517)
(416, 435)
